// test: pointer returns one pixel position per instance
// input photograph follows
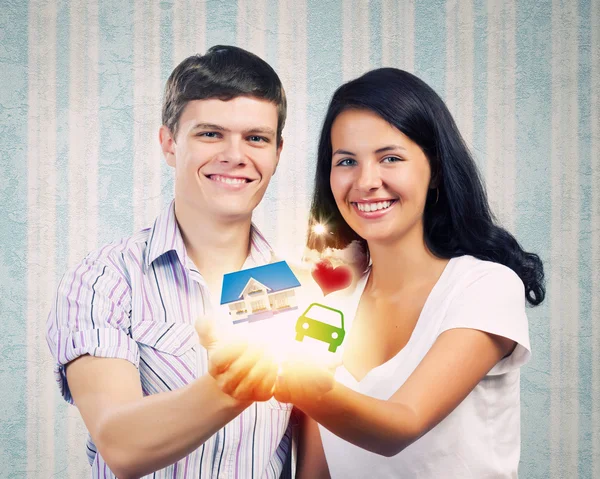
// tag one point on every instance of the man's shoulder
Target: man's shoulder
(115, 252)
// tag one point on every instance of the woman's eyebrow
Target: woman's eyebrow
(343, 152)
(390, 148)
(379, 150)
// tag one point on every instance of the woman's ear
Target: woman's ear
(436, 178)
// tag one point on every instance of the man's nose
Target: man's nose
(233, 152)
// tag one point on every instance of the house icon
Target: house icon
(260, 292)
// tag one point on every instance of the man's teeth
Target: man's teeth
(380, 205)
(229, 181)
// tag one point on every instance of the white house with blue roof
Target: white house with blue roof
(260, 292)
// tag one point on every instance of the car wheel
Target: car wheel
(299, 337)
(332, 348)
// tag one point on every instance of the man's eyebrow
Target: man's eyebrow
(209, 126)
(264, 130)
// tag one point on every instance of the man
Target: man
(122, 327)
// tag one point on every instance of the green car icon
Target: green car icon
(311, 324)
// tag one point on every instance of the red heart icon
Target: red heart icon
(331, 279)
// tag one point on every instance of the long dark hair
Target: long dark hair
(457, 219)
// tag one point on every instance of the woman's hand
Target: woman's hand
(243, 371)
(302, 381)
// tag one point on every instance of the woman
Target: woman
(429, 385)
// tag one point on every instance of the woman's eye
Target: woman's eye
(346, 162)
(391, 159)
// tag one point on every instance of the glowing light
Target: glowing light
(318, 229)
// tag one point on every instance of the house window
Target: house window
(259, 305)
(280, 301)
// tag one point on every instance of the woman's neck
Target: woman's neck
(403, 263)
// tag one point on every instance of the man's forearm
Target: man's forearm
(140, 437)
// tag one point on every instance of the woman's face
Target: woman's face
(379, 177)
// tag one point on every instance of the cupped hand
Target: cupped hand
(305, 380)
(244, 371)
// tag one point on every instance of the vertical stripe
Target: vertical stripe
(459, 65)
(501, 140)
(147, 98)
(251, 26)
(323, 69)
(113, 33)
(430, 43)
(14, 125)
(356, 39)
(595, 231)
(189, 29)
(584, 362)
(62, 203)
(533, 223)
(292, 198)
(564, 289)
(221, 29)
(167, 63)
(375, 48)
(398, 34)
(480, 81)
(41, 231)
(83, 172)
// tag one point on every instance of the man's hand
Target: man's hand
(244, 371)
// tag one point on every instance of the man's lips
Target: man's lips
(229, 179)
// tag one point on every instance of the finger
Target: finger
(239, 367)
(207, 332)
(282, 390)
(258, 384)
(223, 357)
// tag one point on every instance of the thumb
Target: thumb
(207, 332)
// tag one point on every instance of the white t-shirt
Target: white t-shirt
(481, 437)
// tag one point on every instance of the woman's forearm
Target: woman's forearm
(382, 427)
(140, 437)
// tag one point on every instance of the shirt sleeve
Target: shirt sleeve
(493, 301)
(90, 315)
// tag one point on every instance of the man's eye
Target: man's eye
(209, 134)
(258, 139)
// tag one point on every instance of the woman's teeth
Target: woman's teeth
(380, 205)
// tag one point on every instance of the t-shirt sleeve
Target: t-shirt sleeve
(493, 301)
(90, 315)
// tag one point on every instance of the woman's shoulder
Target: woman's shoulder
(472, 276)
(468, 269)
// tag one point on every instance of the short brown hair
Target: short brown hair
(224, 72)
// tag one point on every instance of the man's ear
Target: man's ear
(279, 148)
(167, 144)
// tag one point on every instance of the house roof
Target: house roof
(277, 276)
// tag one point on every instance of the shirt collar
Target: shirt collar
(165, 236)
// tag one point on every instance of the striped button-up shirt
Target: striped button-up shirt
(138, 300)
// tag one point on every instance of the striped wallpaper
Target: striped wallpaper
(80, 94)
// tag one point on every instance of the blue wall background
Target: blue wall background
(80, 89)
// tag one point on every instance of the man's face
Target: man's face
(224, 155)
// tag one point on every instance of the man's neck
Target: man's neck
(215, 247)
